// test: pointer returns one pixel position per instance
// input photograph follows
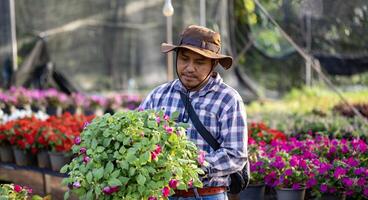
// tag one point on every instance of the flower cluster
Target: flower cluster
(12, 191)
(54, 133)
(133, 155)
(20, 97)
(324, 165)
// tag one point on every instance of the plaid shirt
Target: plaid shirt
(221, 110)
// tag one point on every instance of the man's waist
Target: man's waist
(206, 191)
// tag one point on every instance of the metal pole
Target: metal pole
(170, 74)
(202, 13)
(13, 35)
(308, 64)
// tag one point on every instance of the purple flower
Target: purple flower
(85, 125)
(83, 150)
(201, 157)
(365, 192)
(288, 172)
(339, 172)
(296, 186)
(77, 140)
(352, 162)
(323, 188)
(361, 181)
(158, 119)
(86, 159)
(359, 171)
(107, 190)
(173, 183)
(347, 182)
(76, 184)
(311, 182)
(349, 193)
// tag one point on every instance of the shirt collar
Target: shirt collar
(212, 85)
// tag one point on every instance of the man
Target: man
(218, 106)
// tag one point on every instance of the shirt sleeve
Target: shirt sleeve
(232, 154)
(147, 103)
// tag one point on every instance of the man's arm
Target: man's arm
(232, 155)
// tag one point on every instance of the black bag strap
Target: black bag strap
(198, 124)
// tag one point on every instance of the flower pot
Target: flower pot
(333, 197)
(23, 158)
(70, 109)
(54, 110)
(253, 192)
(43, 159)
(6, 153)
(58, 160)
(290, 194)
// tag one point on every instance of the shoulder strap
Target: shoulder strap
(198, 124)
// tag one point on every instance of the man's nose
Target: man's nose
(190, 67)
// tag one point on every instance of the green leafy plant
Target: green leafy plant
(133, 155)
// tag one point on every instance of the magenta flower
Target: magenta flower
(86, 159)
(83, 150)
(77, 140)
(324, 188)
(173, 183)
(296, 186)
(361, 181)
(166, 117)
(190, 183)
(288, 172)
(107, 190)
(153, 156)
(17, 188)
(152, 198)
(165, 191)
(158, 149)
(311, 182)
(339, 172)
(365, 192)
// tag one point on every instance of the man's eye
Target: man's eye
(199, 63)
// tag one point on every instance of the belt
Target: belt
(201, 191)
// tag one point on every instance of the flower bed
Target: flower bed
(318, 163)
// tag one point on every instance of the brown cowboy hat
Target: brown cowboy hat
(203, 41)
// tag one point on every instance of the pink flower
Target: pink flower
(158, 120)
(173, 183)
(201, 157)
(361, 181)
(166, 117)
(365, 192)
(76, 184)
(77, 140)
(83, 150)
(288, 172)
(165, 191)
(107, 190)
(347, 182)
(86, 159)
(339, 172)
(17, 188)
(158, 149)
(190, 183)
(153, 156)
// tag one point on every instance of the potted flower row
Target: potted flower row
(29, 138)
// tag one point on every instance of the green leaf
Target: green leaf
(182, 186)
(124, 164)
(89, 194)
(114, 182)
(109, 167)
(174, 115)
(115, 174)
(66, 195)
(106, 142)
(94, 144)
(124, 180)
(98, 173)
(141, 179)
(100, 149)
(131, 171)
(173, 138)
(64, 169)
(89, 177)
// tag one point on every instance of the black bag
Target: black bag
(239, 179)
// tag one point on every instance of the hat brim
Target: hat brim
(224, 60)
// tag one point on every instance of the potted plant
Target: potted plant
(13, 191)
(56, 101)
(259, 167)
(133, 155)
(6, 153)
(292, 173)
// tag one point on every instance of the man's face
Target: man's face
(192, 67)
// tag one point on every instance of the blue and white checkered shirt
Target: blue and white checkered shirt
(221, 110)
